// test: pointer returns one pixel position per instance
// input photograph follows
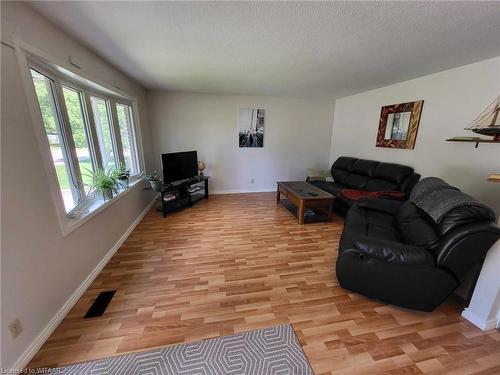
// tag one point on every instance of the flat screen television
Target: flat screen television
(179, 166)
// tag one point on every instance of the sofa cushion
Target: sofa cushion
(381, 219)
(389, 206)
(344, 162)
(352, 233)
(382, 232)
(361, 221)
(376, 184)
(356, 181)
(341, 168)
(392, 172)
(364, 167)
(414, 227)
(340, 175)
(359, 214)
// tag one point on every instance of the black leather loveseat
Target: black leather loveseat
(414, 253)
(370, 175)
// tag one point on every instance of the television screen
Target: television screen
(179, 166)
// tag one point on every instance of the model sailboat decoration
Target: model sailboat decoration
(487, 123)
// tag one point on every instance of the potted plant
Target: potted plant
(122, 176)
(155, 181)
(103, 183)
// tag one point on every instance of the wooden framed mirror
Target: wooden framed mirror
(398, 125)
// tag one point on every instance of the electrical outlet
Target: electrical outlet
(15, 327)
(252, 181)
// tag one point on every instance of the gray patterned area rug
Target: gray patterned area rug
(268, 351)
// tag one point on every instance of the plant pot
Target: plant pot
(155, 185)
(123, 182)
(107, 194)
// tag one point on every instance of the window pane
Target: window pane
(128, 138)
(73, 100)
(51, 123)
(104, 134)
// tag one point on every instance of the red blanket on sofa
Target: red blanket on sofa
(355, 195)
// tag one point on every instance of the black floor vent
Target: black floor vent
(100, 304)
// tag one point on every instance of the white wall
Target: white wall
(40, 268)
(296, 137)
(452, 99)
(484, 307)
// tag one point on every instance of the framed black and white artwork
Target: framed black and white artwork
(251, 127)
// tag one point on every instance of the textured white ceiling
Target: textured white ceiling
(281, 48)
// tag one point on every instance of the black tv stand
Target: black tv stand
(183, 196)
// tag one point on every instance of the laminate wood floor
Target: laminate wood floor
(240, 262)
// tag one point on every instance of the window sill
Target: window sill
(96, 207)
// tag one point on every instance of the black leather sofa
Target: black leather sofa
(395, 252)
(370, 175)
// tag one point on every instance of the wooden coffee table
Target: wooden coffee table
(304, 195)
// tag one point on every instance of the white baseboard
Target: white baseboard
(479, 322)
(35, 346)
(242, 191)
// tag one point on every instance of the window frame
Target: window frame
(132, 129)
(62, 132)
(62, 76)
(89, 134)
(115, 142)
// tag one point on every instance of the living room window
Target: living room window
(104, 131)
(73, 100)
(57, 139)
(87, 127)
(127, 137)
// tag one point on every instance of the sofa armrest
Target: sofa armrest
(465, 246)
(395, 252)
(388, 206)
